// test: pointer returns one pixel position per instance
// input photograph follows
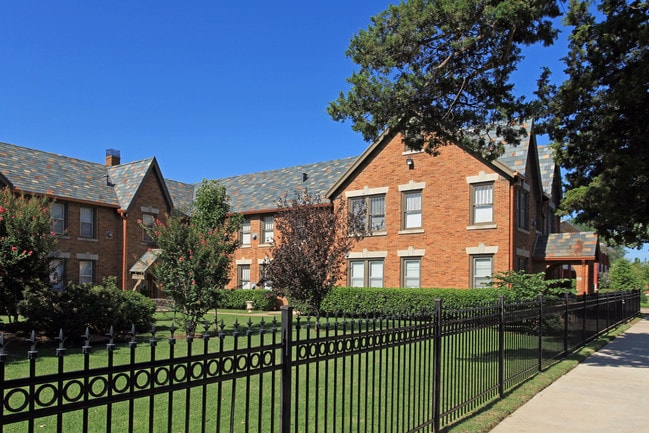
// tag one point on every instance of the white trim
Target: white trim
(59, 255)
(411, 252)
(412, 185)
(481, 249)
(366, 191)
(482, 177)
(149, 209)
(365, 254)
(410, 231)
(87, 256)
(522, 252)
(482, 226)
(244, 262)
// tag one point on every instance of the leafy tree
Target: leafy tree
(196, 252)
(529, 286)
(623, 276)
(310, 250)
(438, 71)
(598, 118)
(26, 242)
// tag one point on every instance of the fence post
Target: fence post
(501, 348)
(565, 325)
(287, 365)
(437, 366)
(540, 348)
(3, 356)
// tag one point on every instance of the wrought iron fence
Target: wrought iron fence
(378, 373)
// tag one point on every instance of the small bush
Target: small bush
(84, 306)
(381, 300)
(264, 300)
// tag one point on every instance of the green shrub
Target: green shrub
(264, 300)
(84, 306)
(357, 300)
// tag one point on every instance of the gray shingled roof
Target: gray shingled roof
(566, 245)
(547, 164)
(182, 194)
(35, 171)
(261, 191)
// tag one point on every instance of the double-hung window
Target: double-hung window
(268, 229)
(481, 270)
(244, 234)
(148, 221)
(482, 203)
(412, 210)
(86, 271)
(366, 273)
(411, 272)
(57, 216)
(243, 276)
(87, 222)
(372, 211)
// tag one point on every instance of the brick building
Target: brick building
(449, 220)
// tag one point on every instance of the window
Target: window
(148, 221)
(523, 202)
(268, 229)
(482, 203)
(86, 271)
(373, 210)
(411, 210)
(57, 216)
(411, 272)
(522, 264)
(481, 270)
(57, 274)
(244, 234)
(243, 276)
(366, 273)
(87, 222)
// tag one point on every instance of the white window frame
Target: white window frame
(478, 275)
(482, 203)
(148, 222)
(57, 274)
(366, 272)
(411, 272)
(412, 210)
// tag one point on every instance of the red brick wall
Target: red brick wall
(446, 213)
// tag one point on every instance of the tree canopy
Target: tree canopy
(196, 252)
(598, 118)
(26, 243)
(309, 253)
(438, 71)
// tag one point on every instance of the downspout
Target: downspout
(512, 248)
(124, 215)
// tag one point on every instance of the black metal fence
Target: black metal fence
(396, 373)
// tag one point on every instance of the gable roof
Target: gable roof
(547, 166)
(182, 194)
(513, 159)
(566, 246)
(261, 191)
(37, 172)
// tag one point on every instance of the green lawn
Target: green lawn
(385, 390)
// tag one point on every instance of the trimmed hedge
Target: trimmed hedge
(370, 300)
(264, 300)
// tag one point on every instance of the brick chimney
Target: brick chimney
(112, 157)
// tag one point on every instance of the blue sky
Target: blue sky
(210, 88)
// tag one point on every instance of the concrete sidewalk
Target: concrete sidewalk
(607, 393)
